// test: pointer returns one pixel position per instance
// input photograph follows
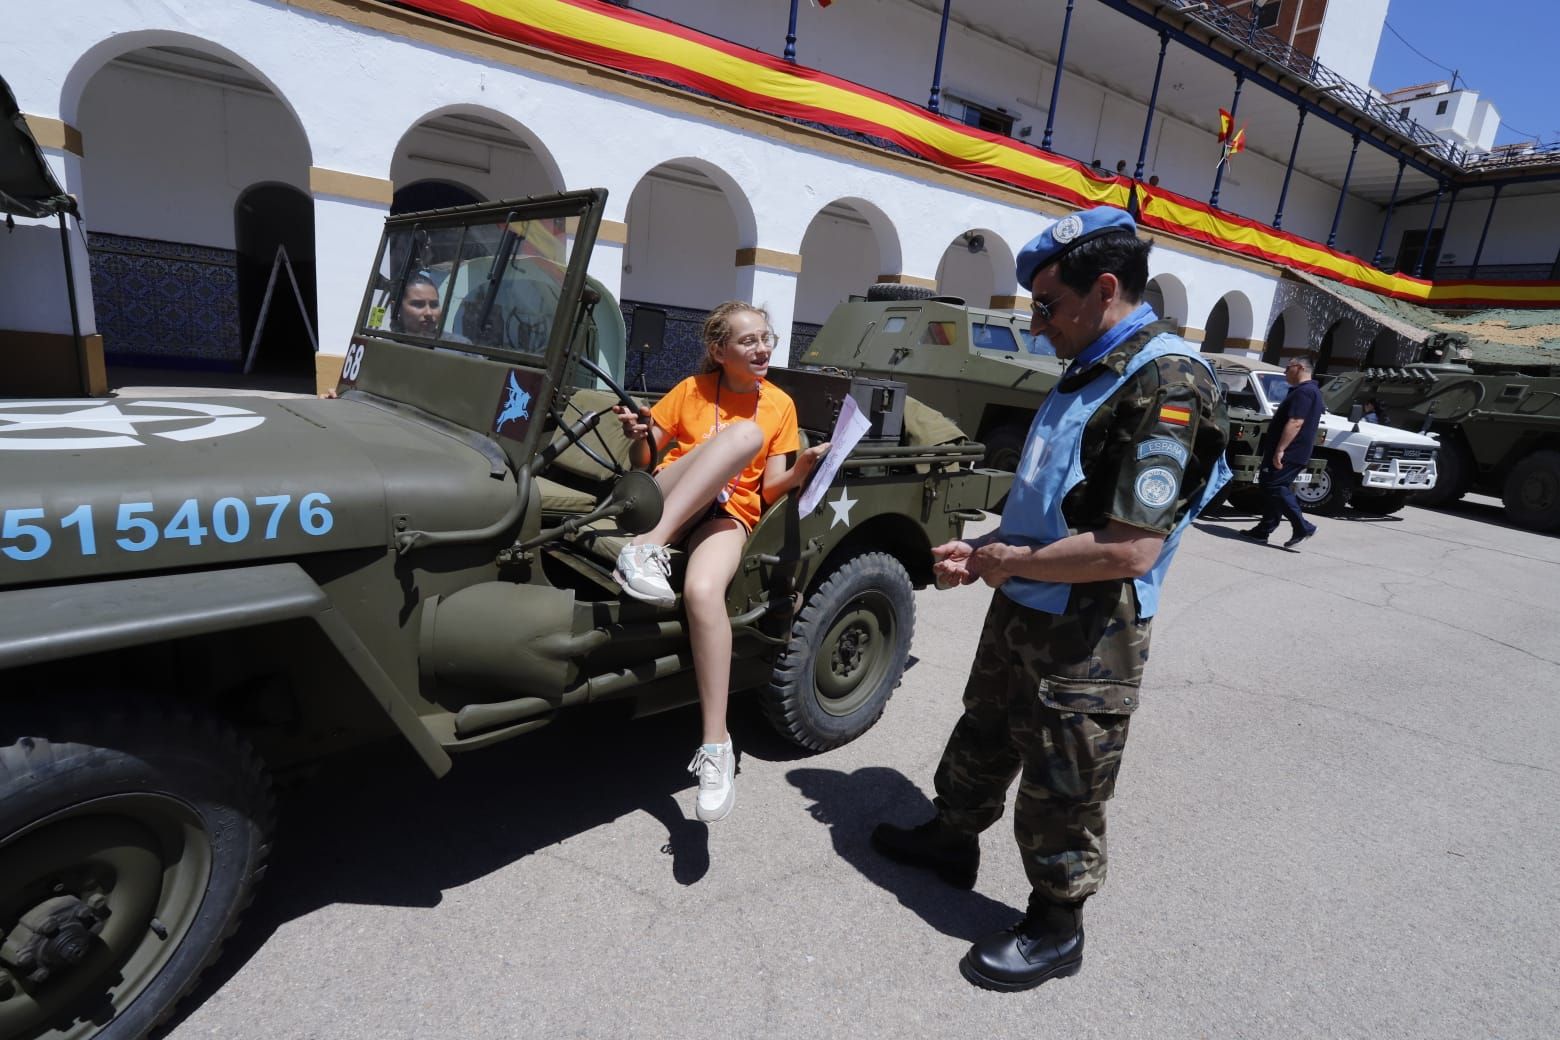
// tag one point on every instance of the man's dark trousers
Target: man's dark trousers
(1281, 502)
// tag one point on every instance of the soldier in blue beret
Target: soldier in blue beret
(1122, 454)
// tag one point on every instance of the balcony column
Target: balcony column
(942, 41)
(790, 34)
(1153, 99)
(1343, 193)
(1473, 272)
(1218, 174)
(1387, 220)
(1446, 225)
(1056, 84)
(1435, 211)
(1283, 193)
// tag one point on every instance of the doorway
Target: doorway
(265, 218)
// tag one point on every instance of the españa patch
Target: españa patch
(1164, 446)
(1173, 416)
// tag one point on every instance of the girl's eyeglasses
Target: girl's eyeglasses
(754, 339)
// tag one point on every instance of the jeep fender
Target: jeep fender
(58, 622)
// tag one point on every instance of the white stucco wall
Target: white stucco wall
(1351, 33)
(170, 155)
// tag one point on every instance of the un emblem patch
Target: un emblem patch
(1067, 229)
(1155, 487)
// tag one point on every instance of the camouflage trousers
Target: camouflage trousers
(1048, 700)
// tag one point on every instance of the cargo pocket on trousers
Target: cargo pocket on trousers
(1090, 696)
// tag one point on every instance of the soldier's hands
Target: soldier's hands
(989, 564)
(951, 568)
(636, 426)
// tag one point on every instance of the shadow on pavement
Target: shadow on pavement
(851, 804)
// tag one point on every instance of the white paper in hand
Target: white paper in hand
(849, 428)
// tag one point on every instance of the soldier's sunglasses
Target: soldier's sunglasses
(1042, 309)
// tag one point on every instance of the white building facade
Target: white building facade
(200, 135)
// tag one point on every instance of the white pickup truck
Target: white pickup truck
(1370, 466)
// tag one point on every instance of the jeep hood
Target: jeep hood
(91, 486)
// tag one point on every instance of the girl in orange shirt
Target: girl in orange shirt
(726, 435)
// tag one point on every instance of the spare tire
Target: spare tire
(898, 291)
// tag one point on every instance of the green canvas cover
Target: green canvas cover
(27, 185)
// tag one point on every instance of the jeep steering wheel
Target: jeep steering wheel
(574, 433)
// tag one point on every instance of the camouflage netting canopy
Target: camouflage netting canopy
(1486, 339)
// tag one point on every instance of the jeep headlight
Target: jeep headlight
(1377, 453)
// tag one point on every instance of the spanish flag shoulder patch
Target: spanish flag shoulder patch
(1170, 415)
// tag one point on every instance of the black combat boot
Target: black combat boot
(954, 856)
(1046, 944)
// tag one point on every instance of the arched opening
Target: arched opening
(1217, 330)
(469, 154)
(1288, 335)
(977, 267)
(1167, 295)
(1383, 349)
(431, 194)
(1337, 343)
(1155, 298)
(273, 231)
(180, 134)
(842, 254)
(683, 235)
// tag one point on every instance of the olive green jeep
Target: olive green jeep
(200, 593)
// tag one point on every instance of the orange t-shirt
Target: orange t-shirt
(688, 413)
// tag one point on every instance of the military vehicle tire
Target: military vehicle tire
(846, 655)
(1453, 474)
(1004, 447)
(1379, 503)
(1532, 492)
(130, 846)
(1328, 495)
(896, 291)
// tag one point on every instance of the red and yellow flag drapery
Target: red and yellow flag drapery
(632, 41)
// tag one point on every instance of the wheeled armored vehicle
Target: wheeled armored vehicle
(1499, 432)
(200, 593)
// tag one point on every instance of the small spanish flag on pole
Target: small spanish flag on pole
(1233, 141)
(1226, 125)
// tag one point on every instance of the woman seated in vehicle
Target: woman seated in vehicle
(725, 434)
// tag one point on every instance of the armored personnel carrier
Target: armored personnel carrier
(982, 369)
(199, 593)
(1499, 433)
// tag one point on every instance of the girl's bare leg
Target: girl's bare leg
(714, 551)
(690, 484)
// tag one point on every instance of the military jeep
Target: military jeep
(198, 594)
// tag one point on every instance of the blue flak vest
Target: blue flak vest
(1051, 467)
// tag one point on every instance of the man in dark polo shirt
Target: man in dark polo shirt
(1286, 448)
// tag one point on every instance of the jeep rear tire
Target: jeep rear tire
(1329, 493)
(1532, 492)
(898, 291)
(846, 655)
(129, 846)
(1004, 447)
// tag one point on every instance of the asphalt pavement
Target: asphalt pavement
(1336, 818)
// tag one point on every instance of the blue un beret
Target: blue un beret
(1068, 234)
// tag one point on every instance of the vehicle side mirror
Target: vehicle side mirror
(1356, 412)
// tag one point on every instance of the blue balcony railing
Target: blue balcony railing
(1241, 29)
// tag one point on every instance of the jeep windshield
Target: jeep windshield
(490, 280)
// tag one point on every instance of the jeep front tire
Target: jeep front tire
(847, 653)
(129, 846)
